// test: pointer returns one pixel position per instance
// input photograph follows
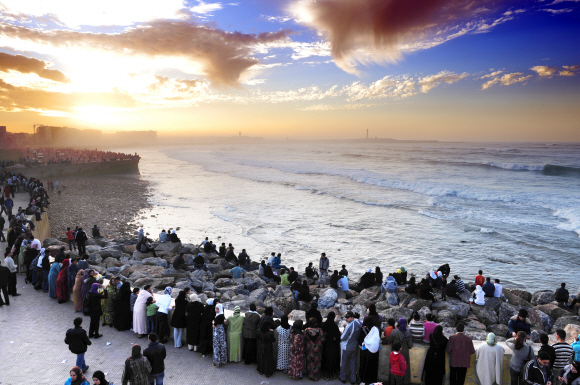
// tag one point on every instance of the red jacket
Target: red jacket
(397, 364)
(479, 280)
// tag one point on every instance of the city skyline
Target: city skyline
(494, 70)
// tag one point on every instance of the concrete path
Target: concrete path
(32, 349)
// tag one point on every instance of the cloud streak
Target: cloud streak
(30, 65)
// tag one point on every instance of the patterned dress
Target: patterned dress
(296, 355)
(109, 305)
(220, 349)
(314, 339)
(283, 348)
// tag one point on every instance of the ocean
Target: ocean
(510, 209)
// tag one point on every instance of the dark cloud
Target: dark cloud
(30, 65)
(224, 56)
(388, 24)
(22, 98)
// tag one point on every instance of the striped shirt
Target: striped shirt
(564, 353)
(417, 330)
(460, 286)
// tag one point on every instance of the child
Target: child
(133, 299)
(398, 365)
(151, 313)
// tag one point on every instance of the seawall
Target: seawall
(50, 171)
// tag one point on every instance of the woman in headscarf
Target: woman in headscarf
(304, 292)
(219, 309)
(86, 285)
(178, 320)
(296, 351)
(205, 328)
(434, 367)
(77, 291)
(266, 339)
(313, 312)
(109, 303)
(220, 349)
(314, 338)
(18, 251)
(99, 378)
(403, 275)
(489, 361)
(283, 344)
(331, 348)
(369, 354)
(412, 287)
(137, 368)
(95, 309)
(268, 315)
(193, 312)
(478, 296)
(425, 290)
(164, 304)
(374, 316)
(122, 320)
(52, 276)
(62, 282)
(140, 312)
(235, 325)
(402, 335)
(76, 377)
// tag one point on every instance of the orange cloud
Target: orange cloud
(30, 65)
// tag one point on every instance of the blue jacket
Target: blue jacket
(276, 262)
(69, 381)
(576, 347)
(515, 325)
(349, 337)
(489, 289)
(390, 285)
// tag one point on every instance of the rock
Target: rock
(200, 275)
(162, 283)
(283, 292)
(52, 242)
(112, 262)
(144, 281)
(170, 272)
(95, 258)
(139, 256)
(456, 306)
(382, 305)
(475, 334)
(405, 298)
(229, 288)
(417, 304)
(196, 284)
(228, 296)
(465, 296)
(304, 305)
(445, 318)
(222, 282)
(296, 315)
(542, 297)
(516, 300)
(572, 331)
(110, 253)
(506, 311)
(151, 261)
(169, 247)
(392, 298)
(208, 286)
(486, 314)
(396, 313)
(260, 294)
(182, 284)
(525, 295)
(498, 329)
(285, 304)
(277, 312)
(129, 249)
(93, 249)
(327, 300)
(553, 310)
(250, 283)
(547, 321)
(214, 269)
(423, 312)
(243, 304)
(150, 271)
(562, 322)
(473, 323)
(367, 296)
(535, 335)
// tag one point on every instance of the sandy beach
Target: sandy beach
(110, 202)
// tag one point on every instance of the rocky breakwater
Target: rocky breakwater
(118, 257)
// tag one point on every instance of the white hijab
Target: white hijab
(221, 308)
(432, 274)
(372, 340)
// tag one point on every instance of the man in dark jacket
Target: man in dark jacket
(249, 334)
(4, 277)
(81, 238)
(156, 354)
(548, 349)
(488, 288)
(461, 348)
(77, 342)
(562, 295)
(293, 276)
(537, 371)
(60, 256)
(518, 323)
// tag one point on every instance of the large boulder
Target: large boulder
(446, 318)
(475, 334)
(283, 292)
(396, 313)
(572, 331)
(260, 294)
(169, 247)
(516, 300)
(423, 312)
(296, 315)
(285, 304)
(487, 314)
(327, 300)
(382, 305)
(465, 296)
(52, 242)
(110, 253)
(417, 304)
(196, 284)
(200, 275)
(367, 296)
(392, 298)
(473, 323)
(95, 258)
(542, 297)
(243, 304)
(150, 271)
(553, 310)
(405, 298)
(223, 282)
(231, 288)
(139, 256)
(208, 286)
(507, 311)
(170, 272)
(498, 329)
(547, 321)
(251, 283)
(562, 322)
(456, 306)
(523, 294)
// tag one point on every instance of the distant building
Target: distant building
(63, 136)
(136, 137)
(3, 137)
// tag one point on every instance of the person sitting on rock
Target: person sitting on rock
(478, 296)
(570, 374)
(310, 271)
(519, 322)
(444, 269)
(237, 272)
(390, 285)
(293, 275)
(96, 232)
(343, 272)
(144, 247)
(366, 280)
(304, 292)
(199, 263)
(295, 287)
(269, 274)
(334, 279)
(479, 278)
(459, 283)
(174, 238)
(498, 291)
(277, 263)
(244, 258)
(425, 290)
(488, 288)
(230, 256)
(163, 236)
(412, 287)
(209, 247)
(562, 295)
(222, 250)
(202, 244)
(179, 262)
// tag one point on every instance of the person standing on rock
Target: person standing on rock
(77, 342)
(140, 311)
(461, 348)
(348, 348)
(70, 236)
(323, 265)
(489, 361)
(81, 238)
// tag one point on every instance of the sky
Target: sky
(481, 70)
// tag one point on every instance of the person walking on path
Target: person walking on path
(137, 368)
(77, 342)
(348, 348)
(323, 265)
(461, 348)
(140, 312)
(489, 364)
(156, 355)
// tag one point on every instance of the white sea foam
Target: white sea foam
(515, 166)
(486, 230)
(572, 215)
(432, 215)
